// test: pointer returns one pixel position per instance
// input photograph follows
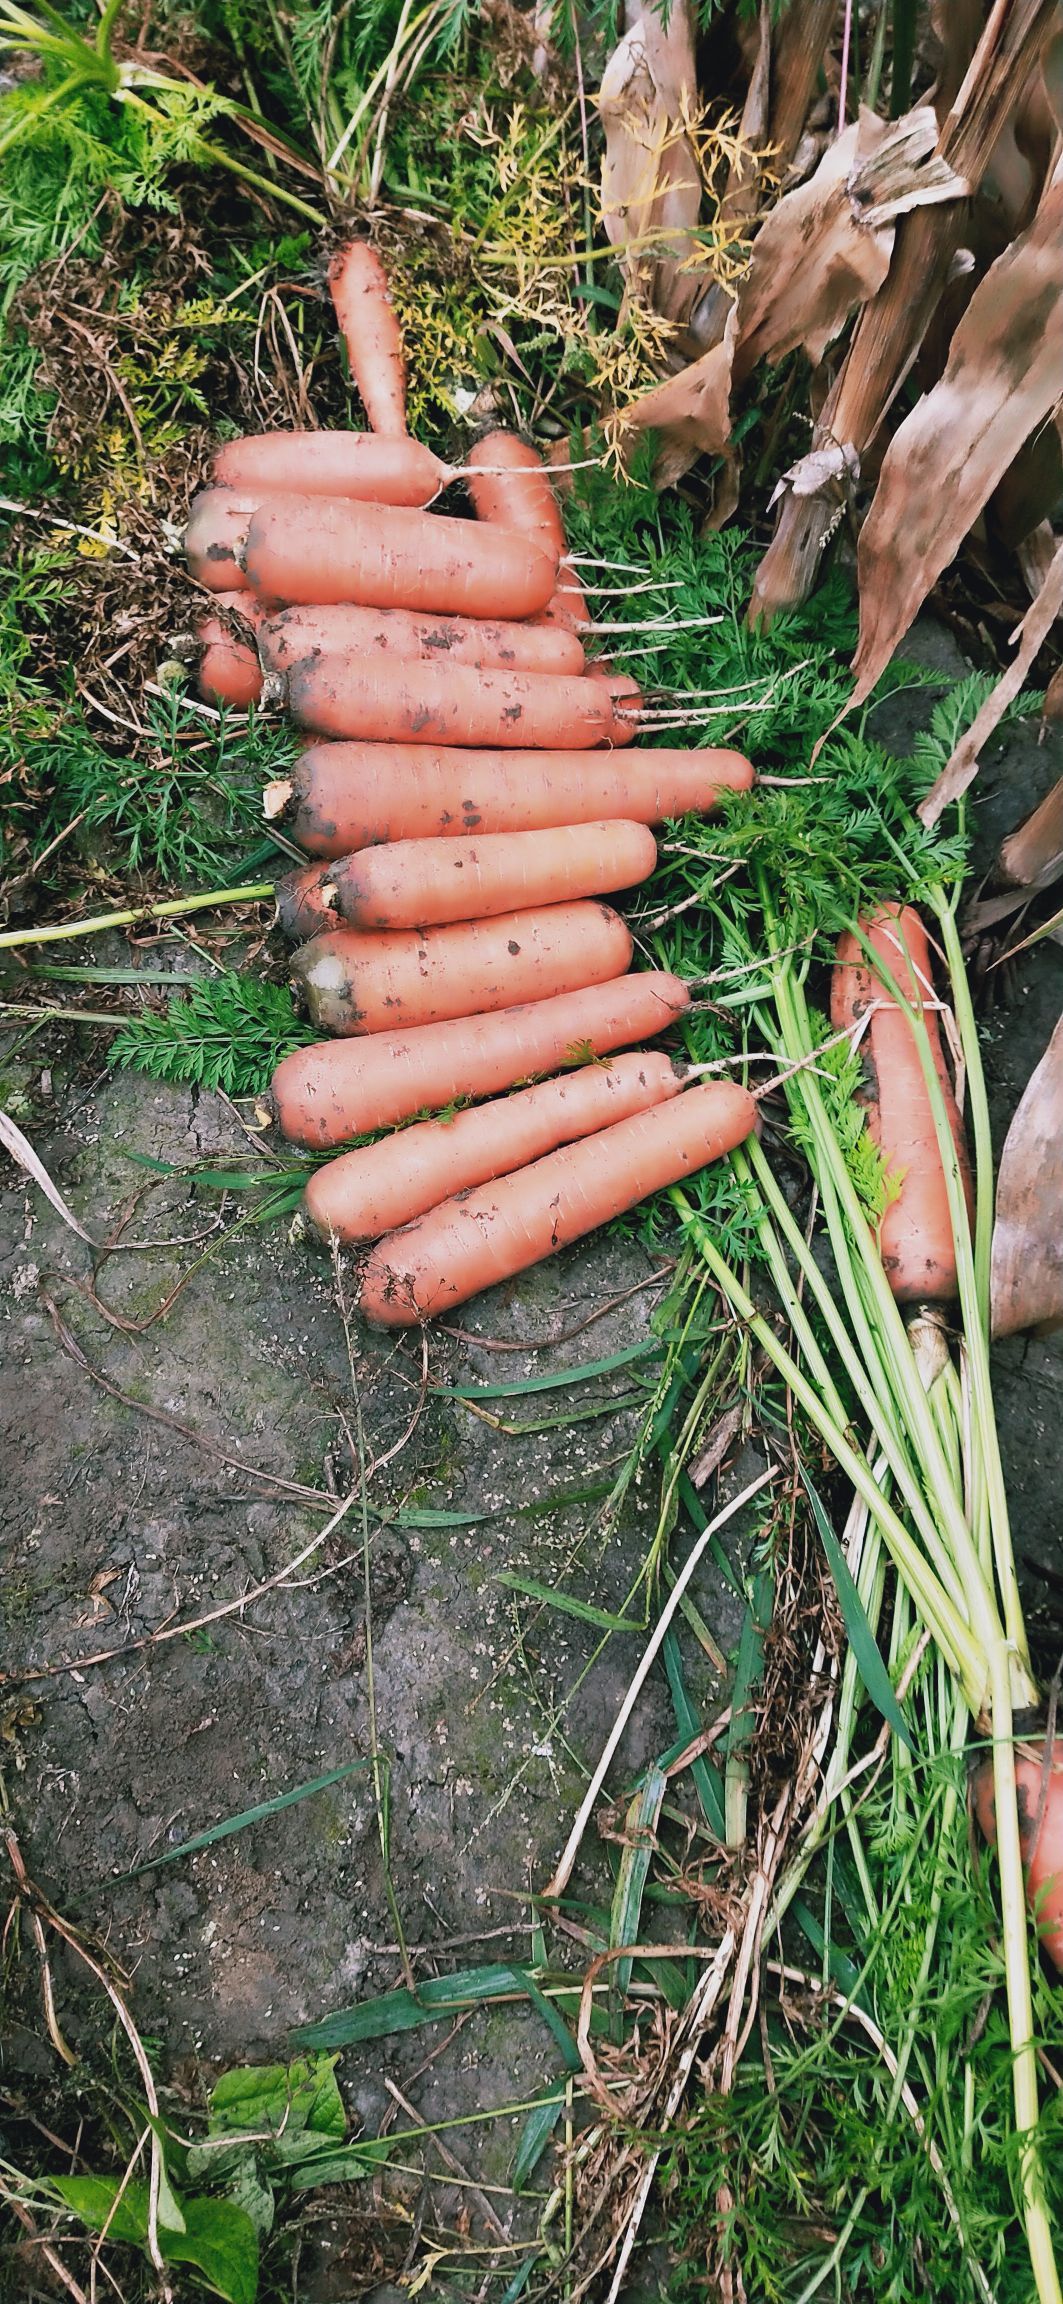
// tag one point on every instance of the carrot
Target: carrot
(489, 1234)
(326, 1094)
(320, 550)
(624, 692)
(354, 984)
(218, 520)
(356, 464)
(383, 1185)
(915, 1237)
(342, 797)
(567, 605)
(306, 902)
(229, 671)
(395, 701)
(421, 883)
(358, 285)
(373, 632)
(508, 484)
(1039, 1777)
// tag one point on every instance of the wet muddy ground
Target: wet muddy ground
(156, 1467)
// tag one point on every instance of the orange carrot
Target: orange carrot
(359, 288)
(357, 464)
(341, 797)
(353, 984)
(394, 700)
(424, 883)
(508, 483)
(229, 671)
(306, 902)
(383, 1185)
(915, 1238)
(501, 1228)
(337, 1089)
(1039, 1777)
(318, 549)
(218, 521)
(373, 632)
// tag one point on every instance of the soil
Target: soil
(155, 1467)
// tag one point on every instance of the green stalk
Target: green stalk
(977, 1100)
(887, 1433)
(984, 1421)
(964, 1651)
(256, 893)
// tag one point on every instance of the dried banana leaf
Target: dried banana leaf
(1003, 377)
(962, 768)
(891, 327)
(651, 182)
(1027, 1266)
(821, 251)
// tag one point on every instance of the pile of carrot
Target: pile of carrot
(469, 795)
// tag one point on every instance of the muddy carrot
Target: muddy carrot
(342, 797)
(502, 1228)
(229, 671)
(324, 1095)
(373, 632)
(384, 1185)
(218, 521)
(317, 549)
(916, 1238)
(396, 700)
(424, 883)
(362, 465)
(358, 285)
(508, 484)
(352, 983)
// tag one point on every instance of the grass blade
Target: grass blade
(565, 1603)
(706, 1783)
(861, 1639)
(254, 1815)
(640, 1825)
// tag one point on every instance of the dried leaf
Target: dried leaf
(651, 183)
(891, 327)
(963, 766)
(14, 1142)
(1032, 856)
(801, 40)
(1027, 1268)
(1035, 556)
(822, 250)
(1003, 377)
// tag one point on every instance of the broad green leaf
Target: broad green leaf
(861, 1638)
(248, 2187)
(219, 2238)
(93, 2198)
(346, 2166)
(289, 2097)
